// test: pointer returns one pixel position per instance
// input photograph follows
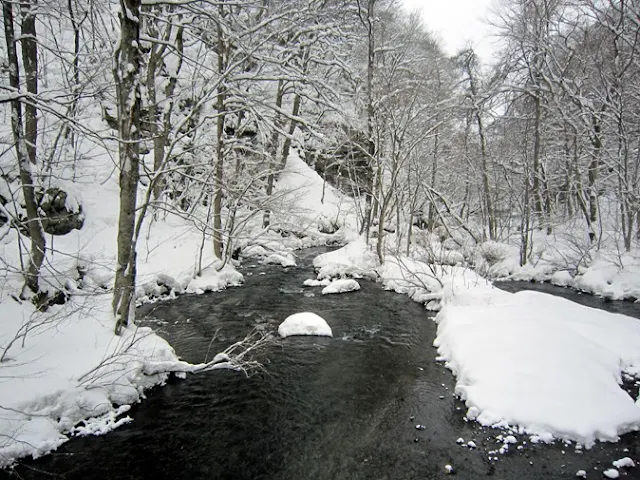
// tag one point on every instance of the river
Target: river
(322, 408)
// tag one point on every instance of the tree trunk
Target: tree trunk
(30, 62)
(536, 190)
(286, 148)
(491, 219)
(218, 172)
(593, 171)
(434, 173)
(153, 116)
(76, 70)
(24, 151)
(295, 111)
(371, 146)
(273, 151)
(127, 77)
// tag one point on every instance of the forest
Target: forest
(196, 105)
(130, 124)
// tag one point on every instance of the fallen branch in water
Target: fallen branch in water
(233, 357)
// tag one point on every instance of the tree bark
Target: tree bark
(371, 146)
(127, 77)
(30, 62)
(273, 151)
(25, 154)
(219, 165)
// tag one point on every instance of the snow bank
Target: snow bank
(355, 259)
(562, 260)
(67, 372)
(304, 323)
(341, 286)
(541, 362)
(428, 283)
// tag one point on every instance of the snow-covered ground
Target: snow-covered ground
(65, 373)
(542, 363)
(565, 259)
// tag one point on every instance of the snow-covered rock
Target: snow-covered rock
(341, 286)
(625, 462)
(312, 282)
(611, 473)
(304, 323)
(277, 259)
(581, 474)
(212, 280)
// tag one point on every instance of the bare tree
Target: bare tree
(25, 129)
(126, 74)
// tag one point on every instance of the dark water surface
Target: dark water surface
(324, 408)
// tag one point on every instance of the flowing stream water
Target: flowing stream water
(345, 407)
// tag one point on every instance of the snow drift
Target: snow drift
(543, 363)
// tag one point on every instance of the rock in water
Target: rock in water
(304, 323)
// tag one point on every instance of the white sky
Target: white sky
(457, 23)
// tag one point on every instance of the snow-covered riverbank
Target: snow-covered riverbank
(63, 372)
(528, 362)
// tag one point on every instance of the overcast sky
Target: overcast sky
(457, 22)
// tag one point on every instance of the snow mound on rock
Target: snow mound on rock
(214, 281)
(304, 323)
(277, 259)
(341, 286)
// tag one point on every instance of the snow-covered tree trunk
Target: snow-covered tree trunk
(371, 144)
(25, 134)
(127, 78)
(220, 149)
(273, 151)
